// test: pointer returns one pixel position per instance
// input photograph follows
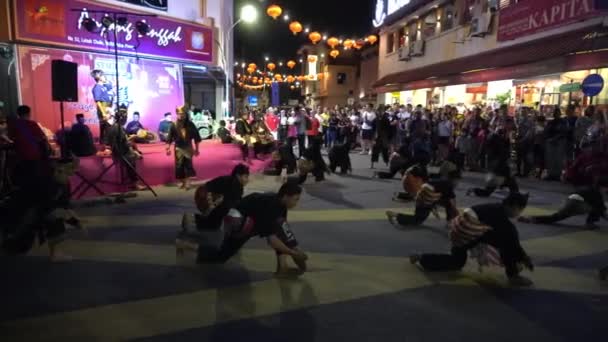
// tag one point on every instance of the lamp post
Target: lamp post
(249, 14)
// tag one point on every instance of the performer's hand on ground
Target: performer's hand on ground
(300, 255)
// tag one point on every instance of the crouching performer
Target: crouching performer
(263, 215)
(339, 157)
(486, 233)
(432, 193)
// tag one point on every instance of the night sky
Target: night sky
(267, 37)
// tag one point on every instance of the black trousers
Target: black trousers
(397, 164)
(230, 246)
(524, 159)
(570, 209)
(505, 239)
(421, 213)
(301, 143)
(509, 182)
(380, 148)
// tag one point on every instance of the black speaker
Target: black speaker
(64, 76)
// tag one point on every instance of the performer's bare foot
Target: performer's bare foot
(392, 217)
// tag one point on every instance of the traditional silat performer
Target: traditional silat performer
(263, 215)
(312, 162)
(432, 193)
(498, 149)
(244, 135)
(103, 95)
(486, 233)
(186, 138)
(339, 157)
(282, 158)
(264, 143)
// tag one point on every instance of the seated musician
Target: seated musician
(264, 140)
(244, 135)
(164, 127)
(123, 150)
(137, 130)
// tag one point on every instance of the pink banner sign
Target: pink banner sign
(60, 23)
(528, 17)
(149, 87)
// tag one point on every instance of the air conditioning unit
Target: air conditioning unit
(417, 48)
(480, 25)
(404, 53)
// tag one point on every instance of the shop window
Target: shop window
(390, 43)
(447, 17)
(413, 31)
(429, 25)
(403, 37)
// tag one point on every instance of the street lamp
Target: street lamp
(249, 14)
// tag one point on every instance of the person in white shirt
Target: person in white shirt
(367, 129)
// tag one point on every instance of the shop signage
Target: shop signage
(385, 8)
(593, 85)
(56, 23)
(569, 87)
(528, 17)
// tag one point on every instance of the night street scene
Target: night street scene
(304, 170)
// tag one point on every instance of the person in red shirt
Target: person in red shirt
(313, 129)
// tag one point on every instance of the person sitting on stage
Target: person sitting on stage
(186, 138)
(122, 149)
(499, 153)
(223, 133)
(137, 130)
(587, 201)
(81, 139)
(339, 157)
(216, 197)
(263, 215)
(485, 232)
(432, 193)
(164, 127)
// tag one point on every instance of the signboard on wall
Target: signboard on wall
(161, 5)
(147, 86)
(529, 17)
(385, 8)
(55, 23)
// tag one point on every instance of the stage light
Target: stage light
(107, 21)
(306, 30)
(266, 59)
(301, 61)
(122, 21)
(89, 24)
(142, 28)
(286, 17)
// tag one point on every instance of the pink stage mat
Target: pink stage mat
(215, 159)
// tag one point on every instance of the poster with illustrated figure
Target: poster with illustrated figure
(149, 87)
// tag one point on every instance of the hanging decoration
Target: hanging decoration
(314, 37)
(359, 44)
(295, 27)
(274, 11)
(250, 70)
(333, 42)
(278, 77)
(312, 59)
(320, 76)
(291, 64)
(271, 66)
(348, 43)
(334, 53)
(301, 78)
(252, 66)
(372, 39)
(292, 87)
(290, 79)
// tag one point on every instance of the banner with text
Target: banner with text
(60, 22)
(528, 17)
(147, 86)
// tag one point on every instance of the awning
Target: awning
(542, 51)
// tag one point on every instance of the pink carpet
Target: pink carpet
(157, 168)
